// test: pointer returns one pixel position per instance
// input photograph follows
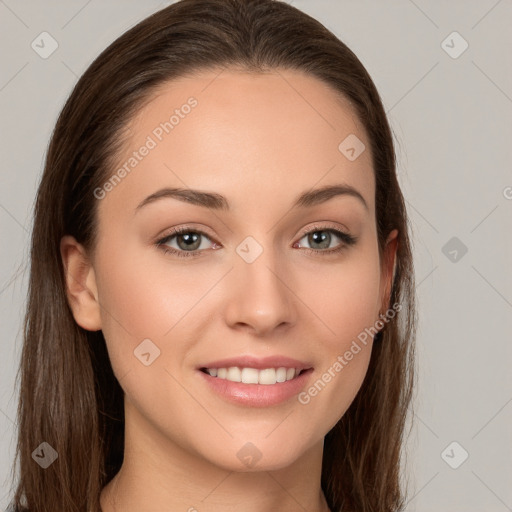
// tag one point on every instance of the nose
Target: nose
(260, 296)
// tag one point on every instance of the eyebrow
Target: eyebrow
(216, 201)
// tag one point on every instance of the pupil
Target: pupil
(191, 240)
(320, 239)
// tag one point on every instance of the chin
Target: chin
(259, 455)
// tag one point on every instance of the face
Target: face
(257, 279)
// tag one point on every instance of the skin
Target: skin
(259, 142)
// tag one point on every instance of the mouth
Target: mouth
(250, 381)
(248, 375)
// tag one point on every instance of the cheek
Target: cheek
(346, 299)
(144, 298)
(148, 298)
(346, 302)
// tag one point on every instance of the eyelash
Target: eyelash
(347, 241)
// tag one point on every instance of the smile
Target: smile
(266, 376)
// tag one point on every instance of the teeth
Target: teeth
(254, 376)
(249, 376)
(234, 374)
(281, 374)
(267, 376)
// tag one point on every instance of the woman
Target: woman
(221, 305)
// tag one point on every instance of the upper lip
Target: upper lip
(260, 363)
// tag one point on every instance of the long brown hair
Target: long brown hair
(69, 396)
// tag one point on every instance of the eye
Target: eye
(188, 242)
(320, 239)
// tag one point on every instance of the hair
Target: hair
(69, 396)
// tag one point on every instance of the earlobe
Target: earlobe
(81, 288)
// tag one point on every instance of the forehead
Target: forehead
(272, 134)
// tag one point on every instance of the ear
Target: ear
(81, 289)
(388, 269)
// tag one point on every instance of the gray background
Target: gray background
(452, 123)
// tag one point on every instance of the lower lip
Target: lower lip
(257, 395)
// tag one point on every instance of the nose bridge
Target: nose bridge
(260, 296)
